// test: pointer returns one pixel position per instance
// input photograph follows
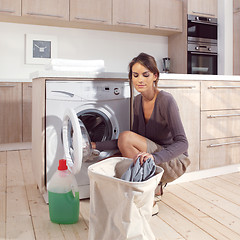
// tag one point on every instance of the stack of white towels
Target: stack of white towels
(59, 64)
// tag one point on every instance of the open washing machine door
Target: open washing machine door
(76, 141)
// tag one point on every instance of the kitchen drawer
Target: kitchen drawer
(216, 95)
(220, 152)
(220, 124)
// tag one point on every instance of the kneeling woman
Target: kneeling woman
(157, 130)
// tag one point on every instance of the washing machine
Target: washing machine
(102, 106)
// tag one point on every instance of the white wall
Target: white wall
(225, 37)
(115, 48)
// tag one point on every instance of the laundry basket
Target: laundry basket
(120, 210)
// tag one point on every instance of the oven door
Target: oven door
(202, 63)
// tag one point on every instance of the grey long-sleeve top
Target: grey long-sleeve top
(164, 128)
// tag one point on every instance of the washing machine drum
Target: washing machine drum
(76, 141)
(98, 125)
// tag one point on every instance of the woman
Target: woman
(157, 130)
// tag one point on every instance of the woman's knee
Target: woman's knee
(124, 137)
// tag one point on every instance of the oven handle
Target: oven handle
(203, 22)
(204, 53)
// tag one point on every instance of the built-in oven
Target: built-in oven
(202, 58)
(202, 45)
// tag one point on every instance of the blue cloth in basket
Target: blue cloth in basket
(138, 173)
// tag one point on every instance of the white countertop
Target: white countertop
(173, 76)
(15, 80)
(121, 75)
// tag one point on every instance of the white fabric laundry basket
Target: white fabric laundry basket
(120, 210)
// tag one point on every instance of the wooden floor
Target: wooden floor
(203, 209)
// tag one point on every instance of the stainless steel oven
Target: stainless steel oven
(202, 58)
(202, 45)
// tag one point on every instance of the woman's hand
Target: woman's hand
(93, 145)
(143, 157)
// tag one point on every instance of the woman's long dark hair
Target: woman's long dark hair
(147, 61)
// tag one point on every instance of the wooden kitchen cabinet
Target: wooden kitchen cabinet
(187, 96)
(91, 11)
(131, 13)
(207, 8)
(236, 37)
(54, 9)
(166, 15)
(10, 7)
(27, 112)
(220, 123)
(10, 112)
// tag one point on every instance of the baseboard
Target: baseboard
(15, 146)
(213, 172)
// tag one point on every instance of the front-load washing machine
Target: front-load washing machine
(102, 106)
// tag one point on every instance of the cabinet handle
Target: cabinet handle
(215, 87)
(176, 86)
(129, 23)
(7, 11)
(237, 10)
(223, 115)
(90, 19)
(44, 15)
(167, 27)
(8, 85)
(223, 144)
(209, 14)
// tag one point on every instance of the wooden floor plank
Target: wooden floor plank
(222, 188)
(162, 230)
(232, 178)
(3, 194)
(202, 220)
(14, 169)
(19, 221)
(18, 228)
(217, 200)
(182, 225)
(206, 207)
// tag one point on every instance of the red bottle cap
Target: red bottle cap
(62, 165)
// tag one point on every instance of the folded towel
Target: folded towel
(138, 173)
(75, 68)
(59, 64)
(76, 63)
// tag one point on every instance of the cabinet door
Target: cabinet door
(187, 96)
(236, 41)
(27, 112)
(208, 8)
(132, 13)
(54, 9)
(166, 15)
(91, 11)
(236, 5)
(220, 95)
(10, 7)
(10, 112)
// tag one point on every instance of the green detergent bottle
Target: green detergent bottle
(63, 196)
